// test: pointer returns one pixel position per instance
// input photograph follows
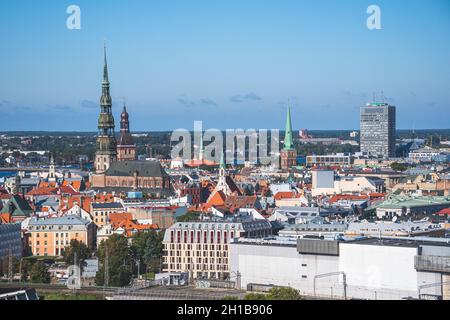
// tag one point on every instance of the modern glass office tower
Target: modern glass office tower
(378, 130)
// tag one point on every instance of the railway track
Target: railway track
(59, 288)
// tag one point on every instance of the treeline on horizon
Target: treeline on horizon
(401, 133)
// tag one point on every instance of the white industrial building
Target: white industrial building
(324, 182)
(368, 268)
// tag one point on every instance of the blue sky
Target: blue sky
(232, 64)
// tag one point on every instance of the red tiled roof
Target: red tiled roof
(125, 220)
(286, 195)
(444, 212)
(339, 197)
(42, 191)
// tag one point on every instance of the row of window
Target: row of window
(198, 260)
(201, 237)
(38, 243)
(57, 234)
(203, 267)
(211, 254)
(205, 247)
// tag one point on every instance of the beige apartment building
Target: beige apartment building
(49, 237)
(202, 248)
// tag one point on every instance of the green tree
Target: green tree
(230, 298)
(120, 262)
(399, 166)
(190, 216)
(39, 273)
(255, 296)
(283, 293)
(25, 270)
(147, 248)
(79, 249)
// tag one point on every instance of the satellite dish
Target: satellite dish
(394, 219)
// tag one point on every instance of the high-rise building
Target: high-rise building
(126, 148)
(288, 154)
(378, 130)
(106, 141)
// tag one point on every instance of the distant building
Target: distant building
(304, 134)
(395, 229)
(410, 206)
(329, 160)
(324, 141)
(425, 154)
(378, 125)
(297, 215)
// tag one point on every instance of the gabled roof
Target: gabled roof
(143, 168)
(286, 195)
(65, 220)
(233, 187)
(17, 207)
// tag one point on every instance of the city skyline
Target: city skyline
(239, 72)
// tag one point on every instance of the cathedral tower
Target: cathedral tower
(126, 148)
(106, 142)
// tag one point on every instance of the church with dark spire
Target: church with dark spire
(106, 141)
(126, 148)
(116, 168)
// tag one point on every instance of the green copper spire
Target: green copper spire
(222, 161)
(105, 68)
(288, 142)
(106, 140)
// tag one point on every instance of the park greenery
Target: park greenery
(39, 273)
(125, 259)
(76, 253)
(275, 293)
(399, 166)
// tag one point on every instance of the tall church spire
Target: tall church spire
(288, 142)
(106, 140)
(105, 68)
(222, 161)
